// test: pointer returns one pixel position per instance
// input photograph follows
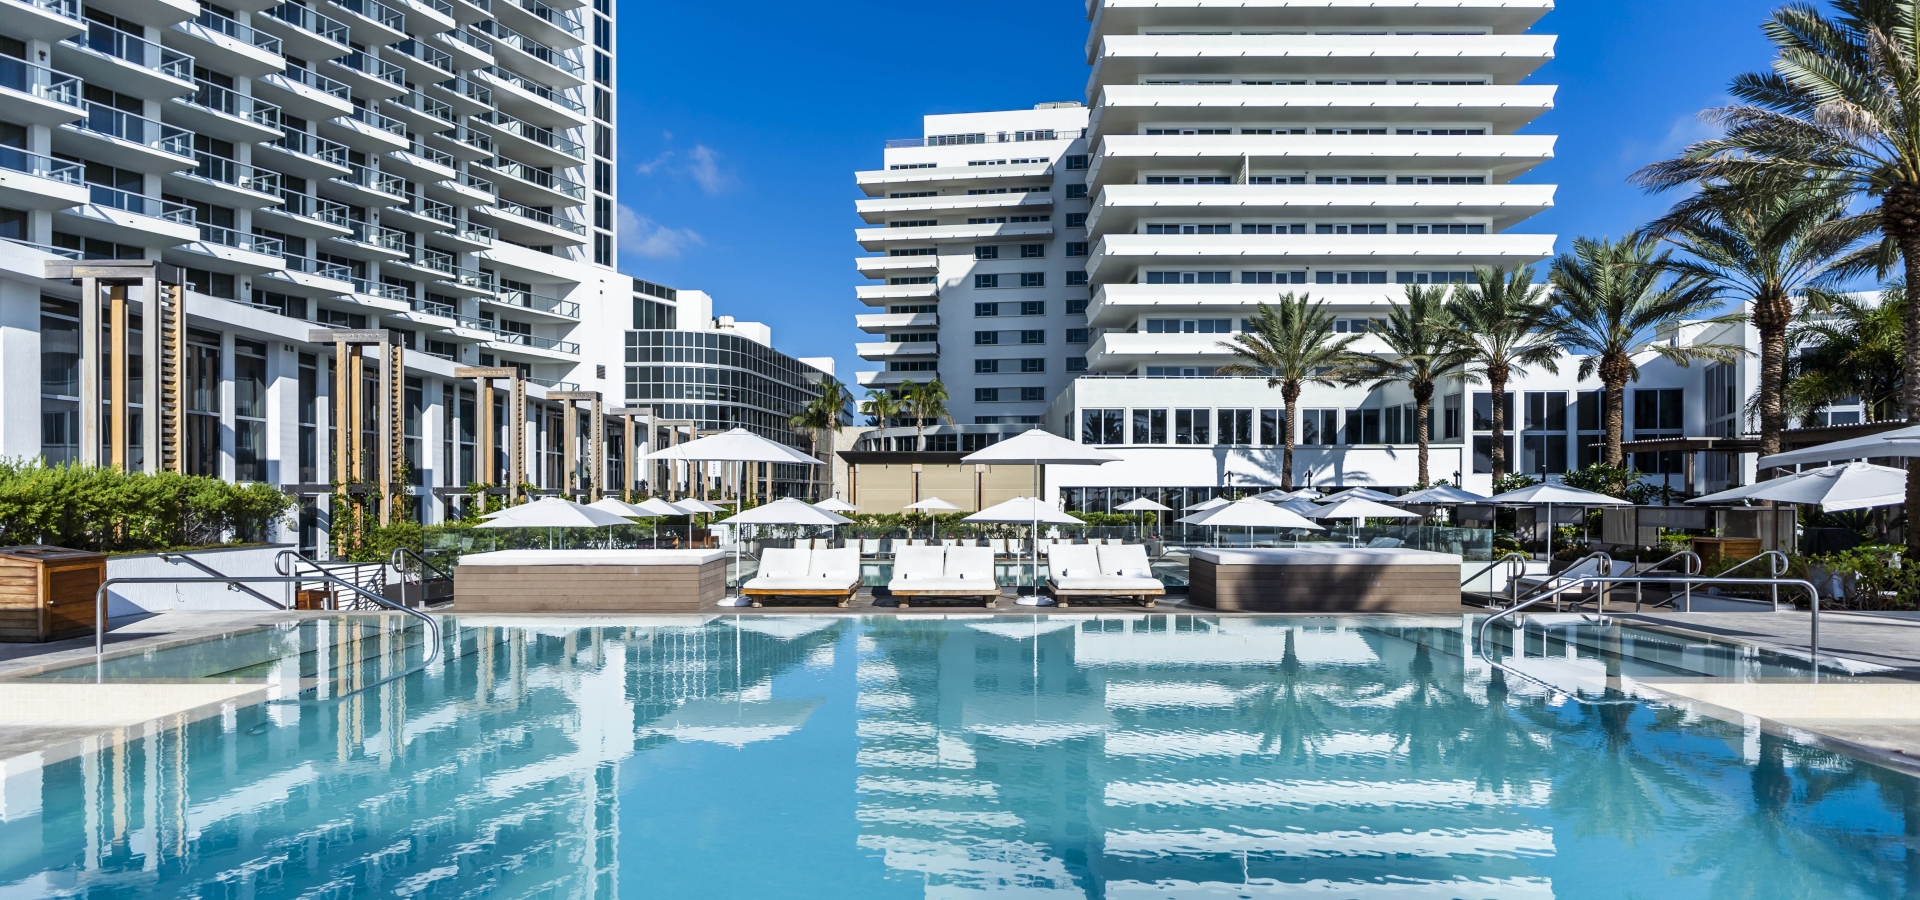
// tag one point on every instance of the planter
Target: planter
(47, 593)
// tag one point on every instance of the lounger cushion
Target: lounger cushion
(931, 585)
(1115, 583)
(791, 583)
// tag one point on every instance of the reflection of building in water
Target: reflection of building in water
(1080, 771)
(496, 770)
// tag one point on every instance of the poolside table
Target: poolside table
(590, 581)
(1335, 579)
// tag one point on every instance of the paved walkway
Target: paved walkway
(1885, 639)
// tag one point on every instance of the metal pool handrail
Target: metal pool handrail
(1692, 567)
(1510, 558)
(1777, 566)
(100, 599)
(399, 563)
(182, 557)
(1481, 643)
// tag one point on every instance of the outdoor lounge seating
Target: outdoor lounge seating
(1087, 571)
(813, 574)
(944, 573)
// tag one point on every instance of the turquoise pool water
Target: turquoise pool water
(1122, 756)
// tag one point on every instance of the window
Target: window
(1450, 409)
(1273, 179)
(927, 338)
(1363, 426)
(1033, 251)
(911, 279)
(202, 388)
(1032, 365)
(1348, 228)
(1273, 423)
(1439, 228)
(907, 251)
(1077, 307)
(1149, 426)
(909, 310)
(982, 338)
(1033, 336)
(1076, 220)
(1441, 179)
(914, 223)
(1033, 279)
(1076, 248)
(1102, 426)
(249, 411)
(1543, 440)
(1483, 412)
(309, 419)
(1440, 131)
(1352, 326)
(59, 381)
(986, 366)
(1589, 417)
(1433, 277)
(1190, 427)
(989, 251)
(1319, 426)
(1351, 179)
(923, 365)
(986, 309)
(986, 395)
(1189, 277)
(1658, 414)
(1076, 192)
(1189, 326)
(986, 281)
(1077, 336)
(1189, 228)
(1483, 453)
(1076, 364)
(1077, 279)
(1350, 278)
(1273, 277)
(1077, 162)
(1179, 371)
(1272, 228)
(1236, 426)
(1033, 307)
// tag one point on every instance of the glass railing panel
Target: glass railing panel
(542, 178)
(477, 183)
(437, 157)
(378, 12)
(317, 81)
(528, 300)
(439, 59)
(240, 240)
(140, 204)
(310, 266)
(105, 120)
(538, 90)
(470, 39)
(110, 41)
(373, 67)
(564, 21)
(236, 173)
(307, 20)
(543, 136)
(381, 290)
(312, 145)
(214, 21)
(68, 8)
(39, 81)
(548, 219)
(16, 160)
(434, 308)
(383, 122)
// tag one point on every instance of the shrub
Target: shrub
(98, 508)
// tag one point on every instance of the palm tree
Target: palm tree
(826, 412)
(925, 401)
(1291, 345)
(1765, 248)
(1500, 321)
(882, 407)
(1424, 351)
(1614, 299)
(1840, 104)
(1853, 349)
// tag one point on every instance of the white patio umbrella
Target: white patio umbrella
(1037, 448)
(784, 511)
(1028, 510)
(552, 513)
(934, 506)
(1549, 495)
(1440, 495)
(1898, 442)
(738, 445)
(1250, 514)
(1743, 492)
(1850, 486)
(659, 507)
(622, 509)
(1356, 509)
(1142, 505)
(1205, 505)
(1273, 496)
(1305, 493)
(835, 504)
(1361, 493)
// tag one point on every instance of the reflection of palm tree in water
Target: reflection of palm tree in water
(1617, 789)
(1289, 721)
(1425, 723)
(1744, 853)
(1499, 749)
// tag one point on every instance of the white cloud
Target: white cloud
(648, 168)
(705, 169)
(642, 236)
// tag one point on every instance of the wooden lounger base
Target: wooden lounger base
(903, 601)
(840, 598)
(1064, 599)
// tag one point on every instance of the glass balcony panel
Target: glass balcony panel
(110, 41)
(214, 21)
(140, 204)
(103, 119)
(307, 20)
(39, 81)
(15, 160)
(548, 219)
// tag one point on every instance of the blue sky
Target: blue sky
(742, 124)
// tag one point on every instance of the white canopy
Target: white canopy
(932, 504)
(786, 511)
(1898, 442)
(1360, 493)
(1730, 495)
(1441, 495)
(1360, 508)
(1141, 505)
(1251, 513)
(695, 506)
(738, 445)
(1273, 496)
(1849, 486)
(1205, 505)
(659, 507)
(1303, 507)
(1305, 494)
(553, 512)
(1550, 494)
(624, 509)
(1037, 447)
(1023, 509)
(835, 504)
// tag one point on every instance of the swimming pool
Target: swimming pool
(1122, 756)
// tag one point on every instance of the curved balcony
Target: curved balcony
(422, 62)
(225, 182)
(227, 250)
(886, 294)
(41, 20)
(535, 187)
(306, 93)
(226, 114)
(452, 277)
(132, 64)
(129, 218)
(306, 155)
(1119, 257)
(421, 113)
(1121, 207)
(374, 242)
(527, 99)
(381, 294)
(522, 54)
(305, 33)
(882, 238)
(363, 186)
(1127, 108)
(224, 44)
(1506, 58)
(48, 184)
(1122, 158)
(305, 215)
(881, 181)
(462, 237)
(370, 76)
(420, 163)
(372, 24)
(892, 350)
(531, 302)
(516, 343)
(420, 214)
(526, 225)
(307, 277)
(542, 22)
(125, 140)
(367, 131)
(37, 95)
(472, 50)
(897, 266)
(530, 143)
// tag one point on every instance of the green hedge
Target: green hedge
(105, 509)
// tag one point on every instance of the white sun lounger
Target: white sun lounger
(1080, 572)
(820, 574)
(944, 573)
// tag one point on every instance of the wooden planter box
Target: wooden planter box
(1713, 550)
(48, 593)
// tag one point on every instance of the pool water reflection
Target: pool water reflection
(1124, 756)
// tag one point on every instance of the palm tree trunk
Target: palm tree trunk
(1423, 406)
(1290, 395)
(1616, 421)
(1497, 395)
(1900, 219)
(813, 450)
(1771, 316)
